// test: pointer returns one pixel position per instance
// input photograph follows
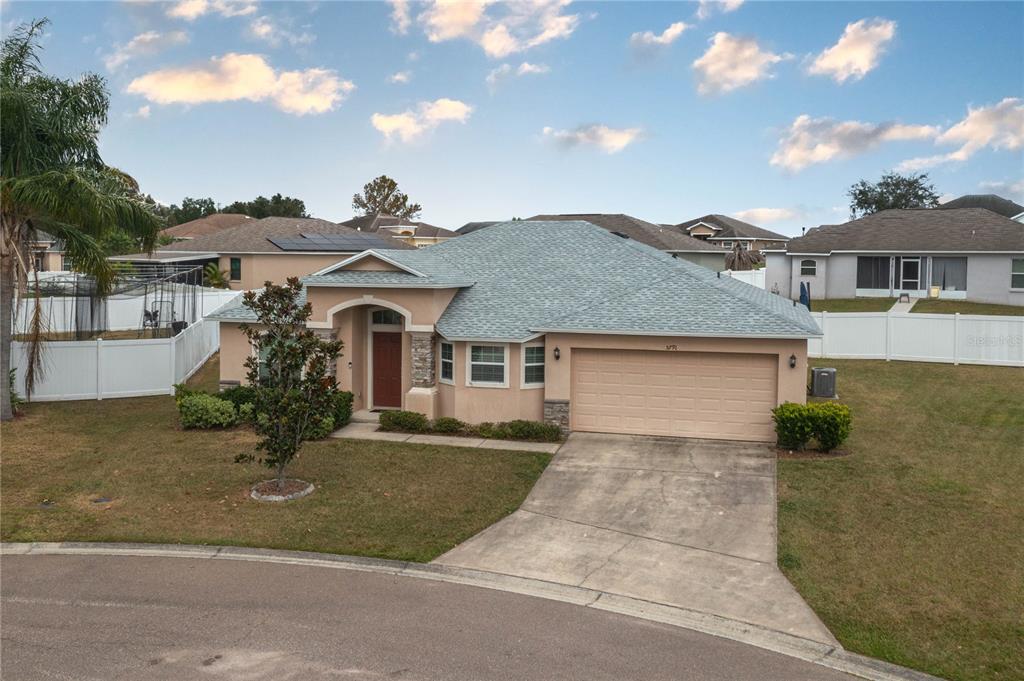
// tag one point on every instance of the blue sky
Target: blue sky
(666, 111)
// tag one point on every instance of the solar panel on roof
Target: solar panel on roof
(330, 242)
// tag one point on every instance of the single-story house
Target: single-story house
(958, 253)
(271, 249)
(724, 231)
(993, 202)
(418, 234)
(664, 239)
(209, 224)
(557, 321)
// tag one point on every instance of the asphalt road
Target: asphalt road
(103, 617)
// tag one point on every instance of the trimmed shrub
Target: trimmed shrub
(342, 408)
(831, 424)
(492, 431)
(533, 430)
(247, 412)
(199, 410)
(181, 391)
(447, 425)
(238, 395)
(794, 425)
(404, 422)
(321, 428)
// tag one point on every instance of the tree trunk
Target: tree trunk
(280, 478)
(6, 328)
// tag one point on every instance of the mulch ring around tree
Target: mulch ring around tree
(810, 454)
(268, 490)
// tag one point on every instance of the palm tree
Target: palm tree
(740, 259)
(52, 178)
(215, 277)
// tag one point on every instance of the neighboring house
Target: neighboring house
(560, 321)
(210, 224)
(724, 232)
(418, 234)
(958, 253)
(662, 238)
(47, 253)
(473, 226)
(996, 204)
(271, 249)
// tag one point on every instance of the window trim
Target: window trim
(441, 361)
(814, 267)
(1013, 273)
(470, 383)
(231, 269)
(522, 365)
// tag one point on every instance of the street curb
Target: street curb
(833, 657)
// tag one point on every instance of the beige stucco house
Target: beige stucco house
(557, 321)
(725, 232)
(417, 234)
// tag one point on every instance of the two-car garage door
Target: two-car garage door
(678, 394)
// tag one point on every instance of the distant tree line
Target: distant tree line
(260, 207)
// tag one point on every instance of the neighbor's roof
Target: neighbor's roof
(206, 225)
(655, 236)
(955, 230)
(992, 202)
(473, 226)
(373, 223)
(731, 228)
(235, 311)
(519, 279)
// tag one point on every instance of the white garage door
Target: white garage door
(678, 394)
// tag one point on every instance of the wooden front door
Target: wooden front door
(387, 369)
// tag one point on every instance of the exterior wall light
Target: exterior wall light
(792, 361)
(558, 353)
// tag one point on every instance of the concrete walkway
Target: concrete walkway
(902, 308)
(366, 430)
(686, 523)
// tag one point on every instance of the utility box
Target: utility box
(823, 382)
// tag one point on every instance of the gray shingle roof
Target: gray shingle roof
(992, 202)
(731, 228)
(957, 230)
(473, 226)
(209, 224)
(531, 276)
(655, 236)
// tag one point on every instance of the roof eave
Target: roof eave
(685, 334)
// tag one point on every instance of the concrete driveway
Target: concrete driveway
(688, 523)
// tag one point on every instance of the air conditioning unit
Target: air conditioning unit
(823, 382)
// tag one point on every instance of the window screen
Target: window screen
(949, 274)
(873, 272)
(487, 364)
(447, 362)
(236, 269)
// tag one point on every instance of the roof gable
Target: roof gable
(729, 227)
(370, 261)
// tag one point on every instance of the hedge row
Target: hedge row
(829, 423)
(414, 422)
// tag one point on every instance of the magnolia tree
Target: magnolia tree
(290, 373)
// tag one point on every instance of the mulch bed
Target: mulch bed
(270, 488)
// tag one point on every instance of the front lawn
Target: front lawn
(852, 304)
(165, 484)
(911, 549)
(936, 306)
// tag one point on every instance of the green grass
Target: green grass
(382, 499)
(935, 306)
(852, 304)
(911, 549)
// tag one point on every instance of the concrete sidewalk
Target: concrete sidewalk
(368, 431)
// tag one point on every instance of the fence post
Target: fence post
(99, 368)
(956, 339)
(170, 363)
(888, 335)
(824, 334)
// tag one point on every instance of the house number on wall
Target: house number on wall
(671, 347)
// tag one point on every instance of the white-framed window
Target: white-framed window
(446, 363)
(727, 244)
(808, 268)
(1017, 273)
(533, 366)
(385, 317)
(487, 366)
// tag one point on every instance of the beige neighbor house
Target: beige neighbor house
(271, 249)
(557, 321)
(47, 254)
(724, 232)
(418, 234)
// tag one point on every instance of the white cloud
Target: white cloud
(235, 77)
(732, 62)
(608, 140)
(1000, 126)
(500, 73)
(1013, 189)
(857, 52)
(759, 215)
(190, 10)
(402, 77)
(816, 140)
(650, 44)
(148, 43)
(273, 33)
(412, 124)
(513, 26)
(400, 18)
(143, 111)
(709, 7)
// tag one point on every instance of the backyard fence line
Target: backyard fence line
(752, 277)
(947, 338)
(99, 369)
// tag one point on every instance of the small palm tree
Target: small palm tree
(215, 277)
(53, 179)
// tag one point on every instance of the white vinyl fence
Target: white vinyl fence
(88, 370)
(950, 338)
(752, 277)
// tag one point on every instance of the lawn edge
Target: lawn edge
(826, 655)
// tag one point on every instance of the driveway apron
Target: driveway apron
(687, 523)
